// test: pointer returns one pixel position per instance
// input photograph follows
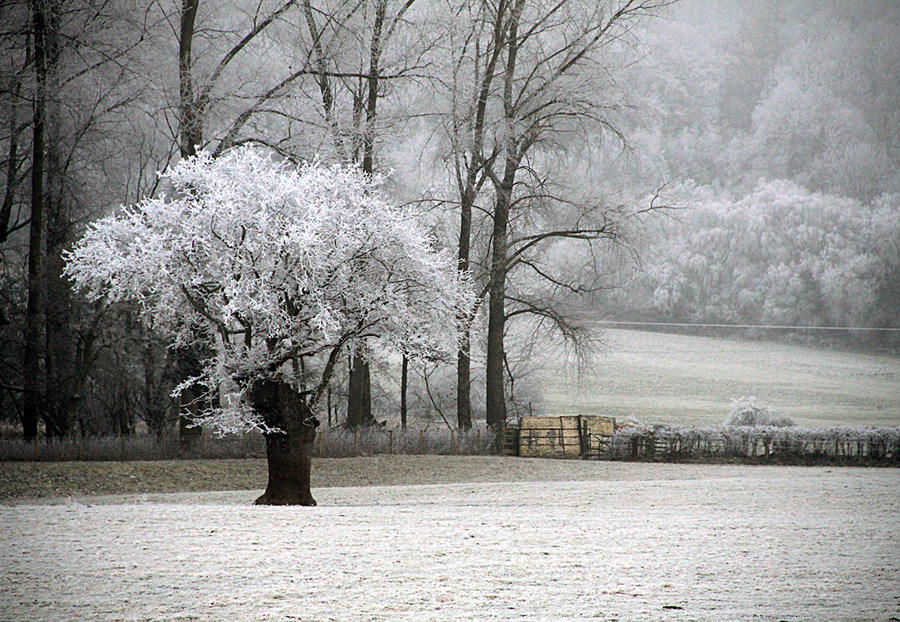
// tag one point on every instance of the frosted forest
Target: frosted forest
(640, 160)
(335, 253)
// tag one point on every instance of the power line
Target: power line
(746, 326)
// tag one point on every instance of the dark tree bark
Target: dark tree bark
(288, 450)
(194, 400)
(372, 84)
(190, 136)
(494, 387)
(62, 370)
(496, 354)
(463, 359)
(404, 386)
(12, 163)
(359, 394)
(34, 313)
(472, 172)
(495, 404)
(359, 400)
(191, 130)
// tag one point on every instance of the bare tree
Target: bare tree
(528, 77)
(68, 63)
(197, 97)
(44, 30)
(349, 46)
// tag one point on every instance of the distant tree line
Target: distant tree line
(780, 255)
(776, 123)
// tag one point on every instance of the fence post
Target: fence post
(37, 447)
(390, 442)
(355, 442)
(452, 442)
(421, 442)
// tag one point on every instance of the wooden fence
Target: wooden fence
(566, 436)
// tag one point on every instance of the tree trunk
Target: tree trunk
(496, 398)
(12, 161)
(359, 401)
(464, 384)
(496, 355)
(190, 133)
(61, 331)
(475, 177)
(463, 362)
(193, 399)
(359, 394)
(34, 313)
(288, 450)
(495, 403)
(404, 386)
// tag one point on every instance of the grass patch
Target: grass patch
(688, 380)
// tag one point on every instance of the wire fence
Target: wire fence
(329, 443)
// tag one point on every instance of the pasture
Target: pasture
(689, 380)
(632, 542)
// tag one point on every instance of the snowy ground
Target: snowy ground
(648, 542)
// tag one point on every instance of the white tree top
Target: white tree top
(262, 262)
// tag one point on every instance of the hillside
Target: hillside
(679, 379)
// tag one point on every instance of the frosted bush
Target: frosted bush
(780, 439)
(747, 411)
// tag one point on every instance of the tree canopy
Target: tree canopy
(265, 262)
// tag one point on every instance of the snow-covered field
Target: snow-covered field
(649, 542)
(686, 380)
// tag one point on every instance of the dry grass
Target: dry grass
(35, 480)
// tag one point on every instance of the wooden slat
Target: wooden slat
(567, 436)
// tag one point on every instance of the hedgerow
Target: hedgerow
(758, 443)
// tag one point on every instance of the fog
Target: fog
(808, 92)
(777, 127)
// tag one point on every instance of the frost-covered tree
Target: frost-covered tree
(525, 84)
(267, 264)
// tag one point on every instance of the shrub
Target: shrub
(758, 443)
(747, 411)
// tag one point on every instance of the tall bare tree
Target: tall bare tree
(349, 43)
(68, 63)
(528, 77)
(44, 28)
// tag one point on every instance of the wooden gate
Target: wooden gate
(566, 436)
